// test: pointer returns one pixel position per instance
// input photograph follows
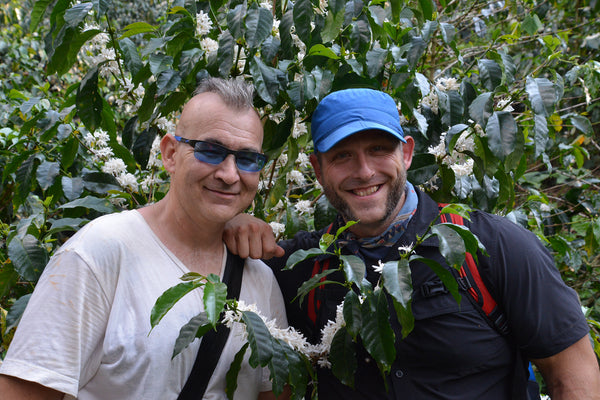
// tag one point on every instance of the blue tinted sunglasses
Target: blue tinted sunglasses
(212, 153)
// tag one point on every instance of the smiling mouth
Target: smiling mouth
(367, 191)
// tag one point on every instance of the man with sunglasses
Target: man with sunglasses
(86, 331)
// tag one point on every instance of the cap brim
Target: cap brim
(351, 129)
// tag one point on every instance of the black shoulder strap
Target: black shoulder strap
(213, 341)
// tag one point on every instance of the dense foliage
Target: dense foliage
(501, 97)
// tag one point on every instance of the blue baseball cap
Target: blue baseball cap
(343, 113)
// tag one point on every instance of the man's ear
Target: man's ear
(407, 151)
(314, 160)
(168, 150)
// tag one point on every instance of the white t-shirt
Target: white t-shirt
(86, 329)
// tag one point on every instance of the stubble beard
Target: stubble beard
(394, 196)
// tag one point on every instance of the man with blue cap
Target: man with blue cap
(361, 158)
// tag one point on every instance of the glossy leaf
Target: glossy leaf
(235, 20)
(397, 280)
(89, 101)
(77, 14)
(490, 73)
(278, 366)
(137, 28)
(303, 16)
(445, 276)
(46, 173)
(377, 334)
(502, 132)
(542, 95)
(259, 23)
(333, 25)
(416, 51)
(225, 54)
(65, 225)
(214, 296)
(313, 283)
(16, 311)
(360, 35)
(37, 13)
(581, 123)
(266, 80)
(452, 247)
(352, 313)
(90, 202)
(320, 50)
(405, 317)
(8, 278)
(482, 108)
(375, 61)
(28, 256)
(131, 57)
(541, 134)
(188, 332)
(261, 344)
(342, 356)
(234, 370)
(167, 300)
(354, 268)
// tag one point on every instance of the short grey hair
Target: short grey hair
(235, 93)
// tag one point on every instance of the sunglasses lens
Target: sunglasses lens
(213, 153)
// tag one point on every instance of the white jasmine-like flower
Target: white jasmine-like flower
(209, 45)
(165, 125)
(303, 160)
(278, 228)
(266, 4)
(102, 153)
(275, 29)
(503, 104)
(406, 249)
(296, 177)
(139, 91)
(154, 159)
(545, 207)
(279, 206)
(463, 169)
(283, 159)
(378, 268)
(447, 84)
(299, 128)
(114, 166)
(148, 182)
(88, 139)
(432, 101)
(203, 23)
(128, 181)
(101, 138)
(303, 207)
(117, 201)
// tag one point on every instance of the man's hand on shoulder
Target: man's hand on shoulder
(248, 236)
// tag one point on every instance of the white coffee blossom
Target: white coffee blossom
(209, 45)
(203, 23)
(278, 228)
(88, 139)
(463, 169)
(303, 207)
(103, 153)
(379, 267)
(447, 84)
(303, 160)
(406, 249)
(101, 138)
(299, 128)
(117, 201)
(114, 166)
(300, 45)
(296, 177)
(154, 159)
(431, 101)
(148, 182)
(503, 104)
(165, 125)
(279, 206)
(128, 181)
(267, 5)
(275, 29)
(545, 207)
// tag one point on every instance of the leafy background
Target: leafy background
(501, 98)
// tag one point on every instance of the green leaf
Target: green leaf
(266, 80)
(24, 177)
(90, 202)
(376, 333)
(148, 103)
(215, 294)
(448, 32)
(541, 137)
(65, 55)
(167, 300)
(131, 57)
(531, 24)
(89, 101)
(324, 213)
(354, 268)
(376, 61)
(482, 108)
(69, 152)
(16, 312)
(427, 8)
(234, 370)
(37, 13)
(189, 332)
(342, 356)
(168, 81)
(65, 225)
(76, 14)
(314, 282)
(320, 50)
(189, 60)
(405, 317)
(28, 256)
(259, 23)
(46, 173)
(101, 6)
(99, 182)
(542, 95)
(333, 26)
(501, 132)
(490, 73)
(416, 51)
(303, 16)
(452, 246)
(422, 168)
(298, 373)
(225, 54)
(352, 313)
(453, 106)
(8, 278)
(261, 344)
(235, 21)
(397, 280)
(580, 122)
(278, 365)
(360, 36)
(136, 28)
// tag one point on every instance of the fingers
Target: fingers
(251, 237)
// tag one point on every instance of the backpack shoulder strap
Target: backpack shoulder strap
(470, 280)
(213, 341)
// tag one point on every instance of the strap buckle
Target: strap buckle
(430, 289)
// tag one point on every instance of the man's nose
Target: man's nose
(227, 171)
(364, 168)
